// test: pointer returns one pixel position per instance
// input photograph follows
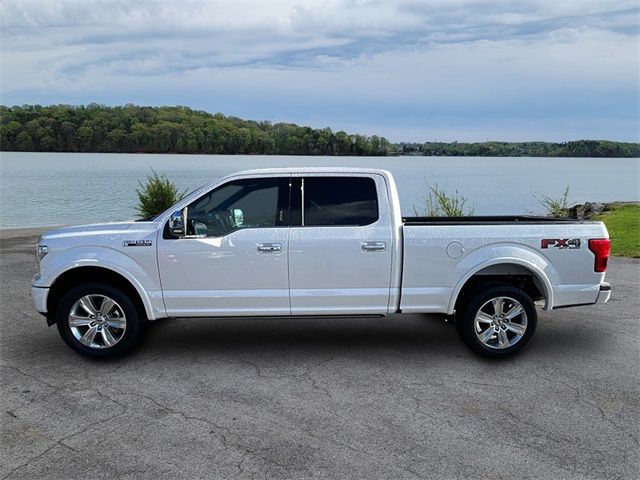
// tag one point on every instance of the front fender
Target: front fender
(507, 254)
(145, 282)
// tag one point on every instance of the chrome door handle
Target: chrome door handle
(269, 247)
(373, 246)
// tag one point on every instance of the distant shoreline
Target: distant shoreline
(130, 128)
(316, 155)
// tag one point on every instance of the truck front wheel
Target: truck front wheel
(497, 321)
(98, 320)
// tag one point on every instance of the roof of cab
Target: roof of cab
(307, 170)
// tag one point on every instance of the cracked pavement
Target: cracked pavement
(378, 398)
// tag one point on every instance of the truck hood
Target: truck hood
(105, 230)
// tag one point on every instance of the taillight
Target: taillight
(600, 248)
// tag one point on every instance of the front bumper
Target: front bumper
(604, 294)
(39, 297)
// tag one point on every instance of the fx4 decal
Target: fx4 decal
(137, 243)
(561, 243)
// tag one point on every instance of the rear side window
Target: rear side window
(340, 201)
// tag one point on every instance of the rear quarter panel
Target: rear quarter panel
(432, 277)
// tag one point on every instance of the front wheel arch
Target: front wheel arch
(82, 275)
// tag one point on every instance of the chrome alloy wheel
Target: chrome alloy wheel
(97, 321)
(500, 323)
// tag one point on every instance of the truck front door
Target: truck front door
(234, 259)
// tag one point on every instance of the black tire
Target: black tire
(127, 340)
(465, 321)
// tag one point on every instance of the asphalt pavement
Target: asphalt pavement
(399, 397)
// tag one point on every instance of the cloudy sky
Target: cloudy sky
(408, 70)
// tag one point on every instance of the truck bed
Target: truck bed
(488, 220)
(440, 251)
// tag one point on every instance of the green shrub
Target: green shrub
(555, 207)
(156, 195)
(441, 204)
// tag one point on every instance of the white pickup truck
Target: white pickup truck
(314, 242)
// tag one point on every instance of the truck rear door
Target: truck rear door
(340, 245)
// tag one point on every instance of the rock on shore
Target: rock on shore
(586, 210)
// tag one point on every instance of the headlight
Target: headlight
(42, 251)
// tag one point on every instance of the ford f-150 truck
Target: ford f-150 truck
(314, 242)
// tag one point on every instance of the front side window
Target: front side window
(247, 203)
(342, 201)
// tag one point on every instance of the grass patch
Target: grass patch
(623, 223)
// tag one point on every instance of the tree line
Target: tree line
(134, 129)
(137, 129)
(577, 148)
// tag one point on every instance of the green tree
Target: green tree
(156, 195)
(24, 142)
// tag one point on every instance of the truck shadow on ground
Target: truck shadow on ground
(426, 334)
(419, 331)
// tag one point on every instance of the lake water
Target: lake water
(42, 189)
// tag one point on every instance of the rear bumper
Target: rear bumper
(579, 298)
(39, 297)
(604, 294)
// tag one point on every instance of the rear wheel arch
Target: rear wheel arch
(81, 275)
(512, 272)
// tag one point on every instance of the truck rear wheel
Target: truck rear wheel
(98, 320)
(497, 321)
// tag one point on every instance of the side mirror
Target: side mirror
(176, 223)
